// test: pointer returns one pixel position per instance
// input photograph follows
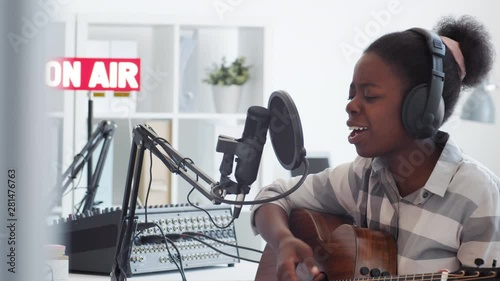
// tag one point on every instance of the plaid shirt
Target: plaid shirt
(452, 220)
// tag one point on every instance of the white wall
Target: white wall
(308, 61)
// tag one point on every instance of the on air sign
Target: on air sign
(94, 74)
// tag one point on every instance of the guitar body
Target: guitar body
(341, 250)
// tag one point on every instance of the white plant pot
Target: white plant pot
(227, 98)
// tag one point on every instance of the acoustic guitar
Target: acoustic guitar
(348, 253)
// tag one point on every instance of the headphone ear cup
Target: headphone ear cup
(438, 119)
(413, 108)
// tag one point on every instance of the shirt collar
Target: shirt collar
(445, 168)
(378, 164)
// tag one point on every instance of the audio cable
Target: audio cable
(176, 259)
(189, 235)
(222, 242)
(208, 214)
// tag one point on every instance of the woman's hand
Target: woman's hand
(295, 261)
(293, 255)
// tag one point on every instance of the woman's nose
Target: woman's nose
(352, 107)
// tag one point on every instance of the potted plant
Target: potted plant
(227, 82)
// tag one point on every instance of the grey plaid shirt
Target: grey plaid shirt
(452, 220)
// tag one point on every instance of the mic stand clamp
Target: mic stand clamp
(245, 151)
(231, 147)
(228, 186)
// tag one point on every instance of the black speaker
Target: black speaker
(423, 107)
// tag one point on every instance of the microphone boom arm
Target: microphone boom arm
(144, 137)
(104, 132)
(175, 161)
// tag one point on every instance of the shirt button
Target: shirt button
(425, 194)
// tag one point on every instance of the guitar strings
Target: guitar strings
(423, 277)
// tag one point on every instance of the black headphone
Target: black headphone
(423, 107)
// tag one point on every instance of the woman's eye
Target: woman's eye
(370, 97)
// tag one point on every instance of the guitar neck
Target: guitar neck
(409, 277)
(462, 275)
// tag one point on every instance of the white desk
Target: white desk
(243, 271)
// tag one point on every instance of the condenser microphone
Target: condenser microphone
(254, 136)
(282, 120)
(248, 161)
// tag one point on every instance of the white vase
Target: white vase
(227, 98)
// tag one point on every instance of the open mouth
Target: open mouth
(356, 133)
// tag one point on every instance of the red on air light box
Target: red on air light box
(114, 74)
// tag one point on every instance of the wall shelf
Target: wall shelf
(175, 55)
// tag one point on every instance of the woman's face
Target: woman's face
(374, 109)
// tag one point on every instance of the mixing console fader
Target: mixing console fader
(91, 239)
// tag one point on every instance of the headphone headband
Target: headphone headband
(426, 123)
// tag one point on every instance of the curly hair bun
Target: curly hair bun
(475, 45)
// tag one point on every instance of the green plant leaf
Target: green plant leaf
(237, 73)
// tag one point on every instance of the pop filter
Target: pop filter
(285, 130)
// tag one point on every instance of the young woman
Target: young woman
(410, 179)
